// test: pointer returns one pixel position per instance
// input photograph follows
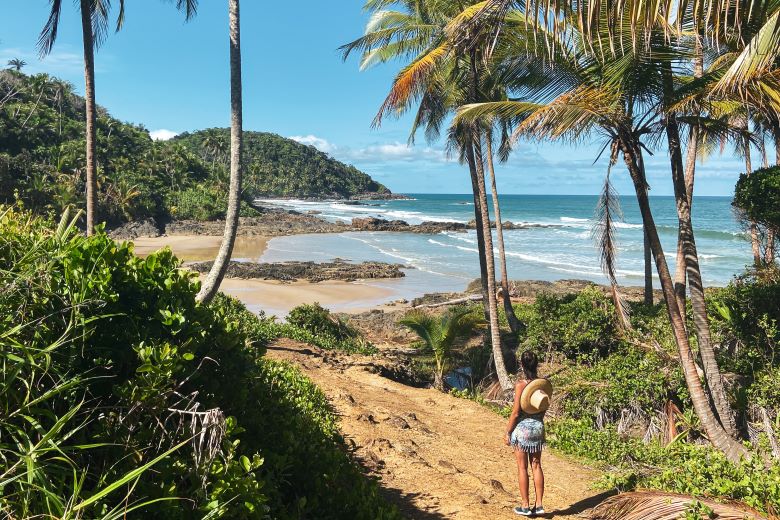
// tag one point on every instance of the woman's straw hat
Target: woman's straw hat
(536, 396)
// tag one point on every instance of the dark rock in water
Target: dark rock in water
(311, 271)
(271, 222)
(378, 224)
(131, 230)
(509, 225)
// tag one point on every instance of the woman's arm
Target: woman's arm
(515, 411)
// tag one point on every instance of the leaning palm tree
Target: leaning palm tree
(94, 28)
(16, 64)
(439, 80)
(220, 265)
(577, 93)
(440, 334)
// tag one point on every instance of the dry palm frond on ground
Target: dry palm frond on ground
(656, 505)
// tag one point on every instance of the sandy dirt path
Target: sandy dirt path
(437, 456)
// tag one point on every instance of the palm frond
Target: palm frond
(49, 32)
(657, 505)
(410, 82)
(756, 58)
(608, 211)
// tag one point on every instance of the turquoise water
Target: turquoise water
(560, 247)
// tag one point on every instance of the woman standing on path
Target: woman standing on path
(525, 431)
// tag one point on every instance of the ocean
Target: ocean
(562, 247)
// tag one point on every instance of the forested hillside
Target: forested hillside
(42, 161)
(278, 166)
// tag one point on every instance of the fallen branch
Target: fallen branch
(473, 298)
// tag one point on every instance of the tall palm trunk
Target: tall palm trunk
(754, 244)
(769, 253)
(693, 271)
(474, 152)
(717, 435)
(91, 109)
(218, 269)
(514, 323)
(476, 168)
(648, 269)
(690, 174)
(483, 277)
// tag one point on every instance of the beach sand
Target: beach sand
(272, 297)
(202, 248)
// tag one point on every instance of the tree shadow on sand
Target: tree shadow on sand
(580, 507)
(406, 504)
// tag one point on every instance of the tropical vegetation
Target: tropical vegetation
(637, 76)
(125, 397)
(42, 162)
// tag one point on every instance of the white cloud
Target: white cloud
(61, 61)
(162, 134)
(317, 142)
(374, 153)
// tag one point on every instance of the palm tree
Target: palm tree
(440, 80)
(16, 64)
(581, 92)
(440, 335)
(220, 265)
(94, 26)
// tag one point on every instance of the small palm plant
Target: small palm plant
(440, 334)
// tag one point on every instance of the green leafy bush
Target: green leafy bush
(107, 366)
(746, 316)
(313, 324)
(576, 326)
(757, 195)
(680, 468)
(629, 379)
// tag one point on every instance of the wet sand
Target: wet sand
(201, 248)
(272, 297)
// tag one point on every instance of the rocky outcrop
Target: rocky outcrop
(378, 224)
(269, 223)
(310, 271)
(133, 230)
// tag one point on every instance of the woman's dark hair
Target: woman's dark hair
(529, 362)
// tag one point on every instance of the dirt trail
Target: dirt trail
(437, 456)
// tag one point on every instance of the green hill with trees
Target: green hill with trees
(42, 161)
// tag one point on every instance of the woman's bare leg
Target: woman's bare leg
(536, 466)
(522, 471)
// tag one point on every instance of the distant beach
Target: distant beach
(555, 243)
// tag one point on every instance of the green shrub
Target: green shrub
(629, 379)
(746, 316)
(680, 468)
(313, 324)
(107, 363)
(576, 326)
(757, 195)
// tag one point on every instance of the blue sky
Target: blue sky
(172, 76)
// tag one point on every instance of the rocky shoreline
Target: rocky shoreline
(309, 271)
(273, 221)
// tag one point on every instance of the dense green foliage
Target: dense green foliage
(109, 367)
(315, 325)
(613, 388)
(757, 195)
(281, 167)
(440, 334)
(42, 161)
(680, 467)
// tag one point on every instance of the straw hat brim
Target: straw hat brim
(525, 398)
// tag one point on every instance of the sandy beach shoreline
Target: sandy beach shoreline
(270, 296)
